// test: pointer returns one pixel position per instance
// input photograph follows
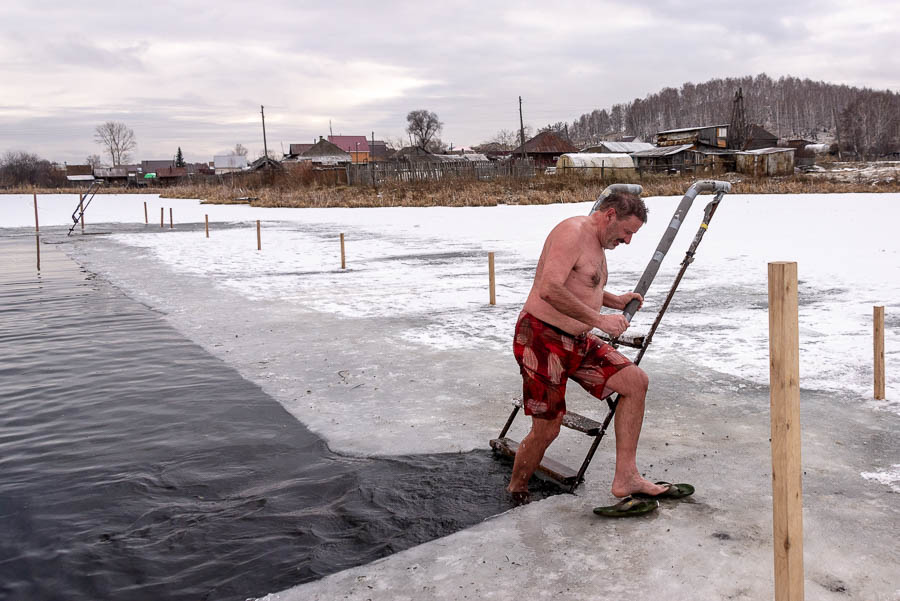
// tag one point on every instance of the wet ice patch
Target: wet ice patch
(889, 477)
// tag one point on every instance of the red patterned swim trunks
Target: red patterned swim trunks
(549, 356)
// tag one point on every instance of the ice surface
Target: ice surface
(433, 261)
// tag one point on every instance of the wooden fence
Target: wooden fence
(374, 174)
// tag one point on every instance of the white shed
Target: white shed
(595, 163)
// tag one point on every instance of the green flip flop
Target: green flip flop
(628, 507)
(673, 491)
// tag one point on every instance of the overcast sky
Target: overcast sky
(194, 74)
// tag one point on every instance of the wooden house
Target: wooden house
(667, 159)
(765, 162)
(713, 136)
(544, 149)
(357, 146)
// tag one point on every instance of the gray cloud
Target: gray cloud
(196, 78)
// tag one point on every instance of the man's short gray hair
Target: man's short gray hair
(625, 204)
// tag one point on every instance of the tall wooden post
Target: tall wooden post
(343, 256)
(207, 225)
(784, 380)
(171, 221)
(162, 217)
(146, 218)
(37, 233)
(879, 352)
(258, 236)
(491, 278)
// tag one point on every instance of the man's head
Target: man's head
(620, 216)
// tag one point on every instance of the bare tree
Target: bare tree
(118, 140)
(24, 168)
(423, 126)
(240, 150)
(94, 160)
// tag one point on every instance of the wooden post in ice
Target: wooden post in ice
(879, 352)
(37, 233)
(207, 225)
(146, 218)
(784, 382)
(491, 278)
(171, 222)
(343, 256)
(81, 210)
(162, 217)
(258, 236)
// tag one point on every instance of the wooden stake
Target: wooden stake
(207, 225)
(37, 233)
(784, 380)
(879, 353)
(162, 217)
(491, 277)
(258, 236)
(343, 256)
(146, 219)
(171, 223)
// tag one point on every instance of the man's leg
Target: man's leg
(531, 451)
(631, 384)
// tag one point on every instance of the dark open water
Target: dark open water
(134, 465)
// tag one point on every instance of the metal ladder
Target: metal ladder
(86, 199)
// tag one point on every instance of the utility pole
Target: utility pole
(837, 133)
(521, 128)
(265, 147)
(330, 131)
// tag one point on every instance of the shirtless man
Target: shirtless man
(553, 341)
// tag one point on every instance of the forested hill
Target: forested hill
(868, 121)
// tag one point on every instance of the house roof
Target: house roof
(758, 132)
(324, 148)
(687, 129)
(619, 147)
(662, 151)
(349, 143)
(547, 141)
(767, 150)
(295, 149)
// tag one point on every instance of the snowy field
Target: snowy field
(433, 262)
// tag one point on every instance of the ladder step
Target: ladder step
(626, 339)
(552, 468)
(575, 421)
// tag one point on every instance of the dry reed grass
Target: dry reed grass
(300, 188)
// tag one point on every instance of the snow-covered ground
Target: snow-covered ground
(433, 262)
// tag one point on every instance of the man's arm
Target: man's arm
(620, 301)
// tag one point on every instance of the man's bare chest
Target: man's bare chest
(590, 271)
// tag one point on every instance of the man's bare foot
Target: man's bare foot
(625, 486)
(519, 497)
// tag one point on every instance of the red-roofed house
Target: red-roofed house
(357, 146)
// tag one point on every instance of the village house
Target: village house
(544, 149)
(712, 136)
(357, 146)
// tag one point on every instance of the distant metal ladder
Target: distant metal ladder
(86, 199)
